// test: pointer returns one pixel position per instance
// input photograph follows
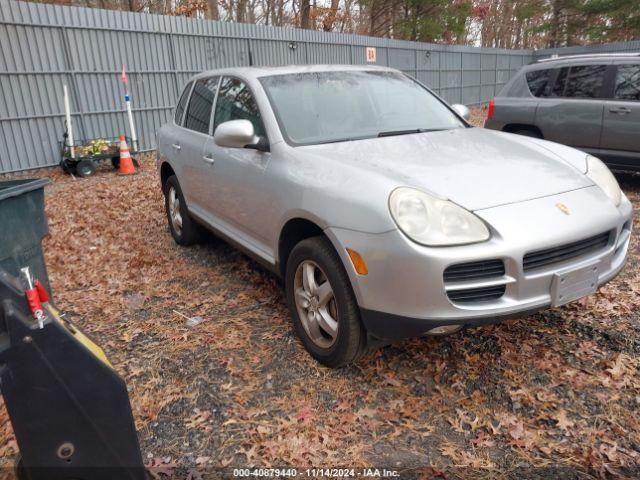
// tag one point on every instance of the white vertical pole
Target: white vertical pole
(134, 137)
(67, 114)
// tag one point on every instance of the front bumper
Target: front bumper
(404, 293)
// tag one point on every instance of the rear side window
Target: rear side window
(181, 104)
(585, 81)
(627, 83)
(538, 82)
(581, 81)
(201, 104)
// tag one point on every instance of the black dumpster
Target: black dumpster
(68, 406)
(23, 224)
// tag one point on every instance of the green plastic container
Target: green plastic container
(23, 224)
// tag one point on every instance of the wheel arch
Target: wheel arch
(514, 127)
(293, 231)
(299, 228)
(166, 171)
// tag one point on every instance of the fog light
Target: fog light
(358, 262)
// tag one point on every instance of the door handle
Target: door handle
(620, 110)
(176, 146)
(208, 159)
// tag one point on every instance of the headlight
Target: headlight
(602, 176)
(430, 221)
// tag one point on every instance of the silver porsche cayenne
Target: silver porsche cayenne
(384, 211)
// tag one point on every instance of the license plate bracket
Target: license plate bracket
(571, 285)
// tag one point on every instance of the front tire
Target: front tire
(184, 230)
(325, 314)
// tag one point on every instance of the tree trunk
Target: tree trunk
(554, 31)
(241, 11)
(380, 18)
(305, 14)
(267, 12)
(327, 25)
(213, 13)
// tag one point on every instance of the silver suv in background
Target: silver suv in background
(590, 102)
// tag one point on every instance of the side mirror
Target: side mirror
(462, 110)
(235, 134)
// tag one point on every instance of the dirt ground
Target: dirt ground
(549, 396)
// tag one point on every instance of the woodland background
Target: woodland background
(487, 23)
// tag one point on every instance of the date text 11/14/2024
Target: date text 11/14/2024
(316, 472)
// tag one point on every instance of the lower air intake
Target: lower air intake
(476, 295)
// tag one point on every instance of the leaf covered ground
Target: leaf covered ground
(554, 395)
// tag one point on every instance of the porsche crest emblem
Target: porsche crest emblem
(563, 208)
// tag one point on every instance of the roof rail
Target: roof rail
(555, 57)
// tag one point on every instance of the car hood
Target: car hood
(472, 167)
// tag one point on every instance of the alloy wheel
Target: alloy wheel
(174, 211)
(316, 304)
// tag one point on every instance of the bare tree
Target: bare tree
(241, 11)
(213, 12)
(305, 14)
(490, 23)
(330, 18)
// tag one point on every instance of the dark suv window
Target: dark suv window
(201, 104)
(561, 82)
(538, 81)
(627, 83)
(580, 81)
(236, 102)
(585, 81)
(182, 103)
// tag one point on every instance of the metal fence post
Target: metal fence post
(172, 63)
(71, 65)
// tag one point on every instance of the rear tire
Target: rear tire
(184, 230)
(329, 326)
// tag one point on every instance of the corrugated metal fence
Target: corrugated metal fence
(44, 47)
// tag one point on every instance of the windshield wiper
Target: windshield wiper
(392, 133)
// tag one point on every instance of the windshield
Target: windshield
(325, 107)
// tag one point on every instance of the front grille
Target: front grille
(549, 256)
(474, 271)
(474, 295)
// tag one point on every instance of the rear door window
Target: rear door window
(181, 104)
(201, 104)
(585, 81)
(627, 83)
(538, 82)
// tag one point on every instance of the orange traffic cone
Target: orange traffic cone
(126, 163)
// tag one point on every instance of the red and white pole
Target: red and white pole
(127, 100)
